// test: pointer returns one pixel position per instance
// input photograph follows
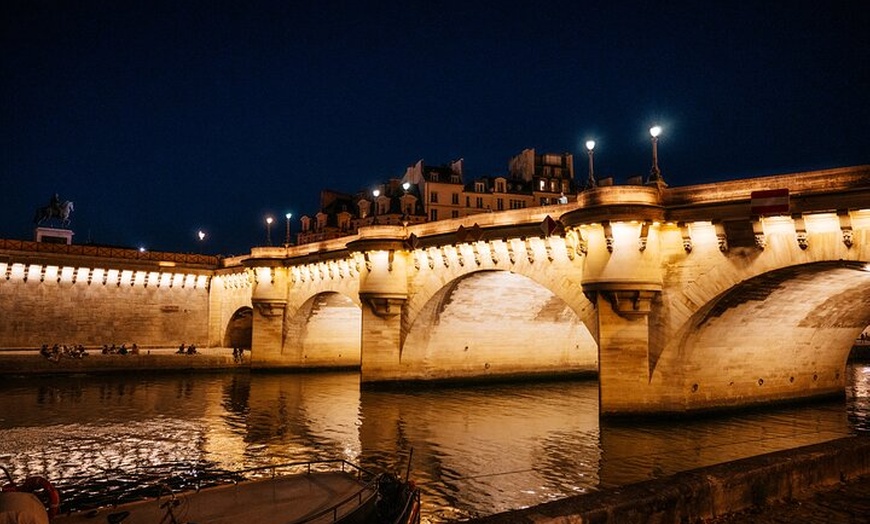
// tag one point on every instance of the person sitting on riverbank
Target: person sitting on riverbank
(181, 349)
(191, 349)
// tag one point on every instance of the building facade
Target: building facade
(431, 193)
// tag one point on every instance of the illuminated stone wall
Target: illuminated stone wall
(229, 291)
(636, 281)
(41, 303)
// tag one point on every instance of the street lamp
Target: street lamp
(655, 174)
(375, 193)
(406, 186)
(288, 216)
(201, 235)
(269, 221)
(590, 146)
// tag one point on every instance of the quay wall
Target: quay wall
(18, 363)
(36, 311)
(95, 295)
(706, 493)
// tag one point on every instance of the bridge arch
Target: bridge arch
(783, 334)
(549, 265)
(239, 330)
(496, 323)
(323, 332)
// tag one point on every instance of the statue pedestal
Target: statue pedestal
(54, 236)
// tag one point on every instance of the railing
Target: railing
(109, 252)
(366, 490)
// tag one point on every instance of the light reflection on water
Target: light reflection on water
(477, 450)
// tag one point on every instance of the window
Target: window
(433, 215)
(467, 201)
(454, 199)
(499, 186)
(478, 187)
(478, 202)
(454, 213)
(433, 197)
(542, 184)
(499, 204)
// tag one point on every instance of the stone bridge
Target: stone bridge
(681, 299)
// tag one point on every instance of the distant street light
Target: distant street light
(269, 221)
(201, 235)
(655, 174)
(375, 193)
(288, 216)
(590, 146)
(406, 186)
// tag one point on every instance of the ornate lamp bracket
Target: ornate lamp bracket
(687, 237)
(758, 231)
(845, 226)
(721, 236)
(800, 230)
(608, 235)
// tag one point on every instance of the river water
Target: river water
(476, 450)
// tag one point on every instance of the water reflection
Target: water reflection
(477, 450)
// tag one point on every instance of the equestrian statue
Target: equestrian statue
(54, 209)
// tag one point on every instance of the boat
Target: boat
(313, 492)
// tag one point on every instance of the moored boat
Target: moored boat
(333, 491)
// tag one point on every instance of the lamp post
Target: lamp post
(590, 146)
(655, 174)
(288, 216)
(269, 221)
(375, 193)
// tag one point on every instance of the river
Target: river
(476, 450)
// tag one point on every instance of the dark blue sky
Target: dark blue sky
(158, 118)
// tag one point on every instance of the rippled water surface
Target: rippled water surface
(476, 450)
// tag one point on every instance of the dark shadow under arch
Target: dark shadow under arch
(240, 329)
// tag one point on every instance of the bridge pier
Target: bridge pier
(269, 301)
(381, 337)
(623, 355)
(383, 291)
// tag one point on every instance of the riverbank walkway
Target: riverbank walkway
(30, 362)
(846, 503)
(821, 483)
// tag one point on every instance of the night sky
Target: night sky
(160, 118)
